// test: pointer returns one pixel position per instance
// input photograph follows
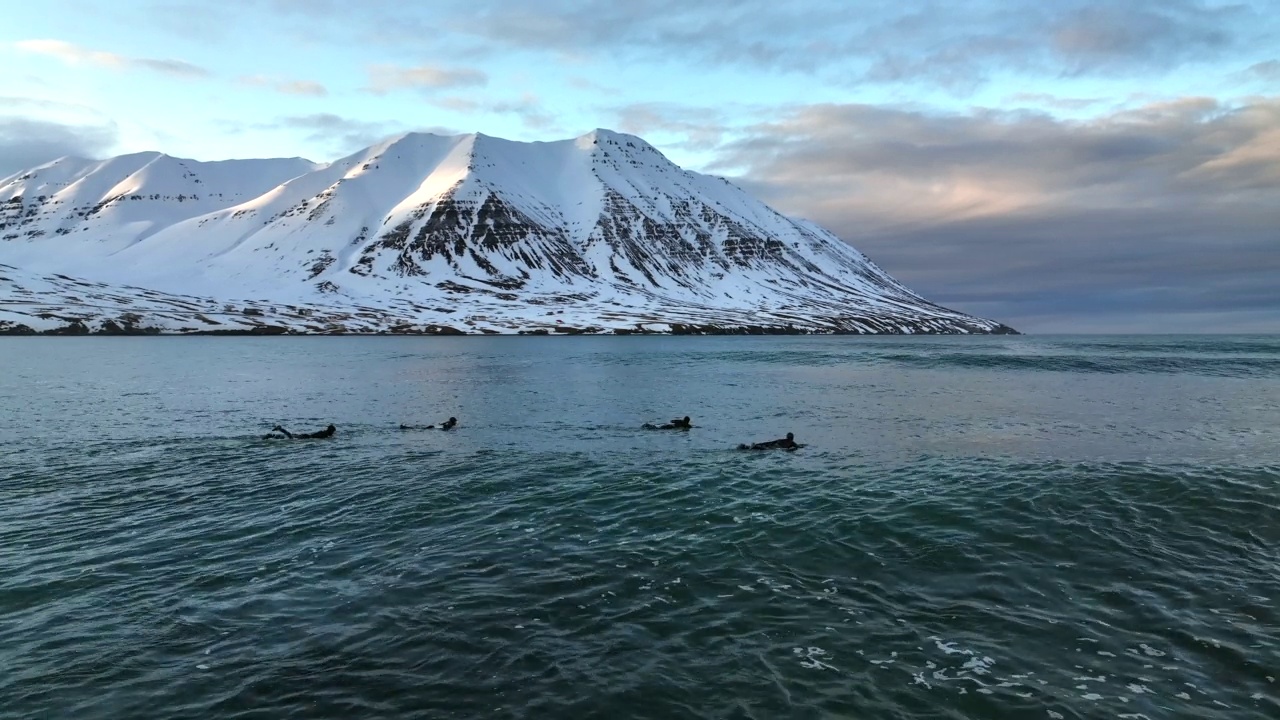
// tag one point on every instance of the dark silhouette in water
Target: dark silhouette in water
(786, 443)
(285, 434)
(446, 425)
(677, 424)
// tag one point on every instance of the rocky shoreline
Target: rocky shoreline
(113, 329)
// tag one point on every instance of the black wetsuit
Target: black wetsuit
(319, 434)
(446, 425)
(327, 432)
(679, 424)
(780, 444)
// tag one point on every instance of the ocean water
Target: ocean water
(978, 527)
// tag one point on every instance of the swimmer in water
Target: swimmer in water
(446, 425)
(677, 424)
(285, 434)
(786, 443)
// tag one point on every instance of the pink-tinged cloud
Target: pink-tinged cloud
(527, 107)
(76, 55)
(287, 87)
(387, 78)
(1164, 209)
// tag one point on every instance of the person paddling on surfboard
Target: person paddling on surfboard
(286, 435)
(786, 443)
(677, 424)
(446, 425)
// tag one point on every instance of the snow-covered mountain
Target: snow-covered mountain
(424, 233)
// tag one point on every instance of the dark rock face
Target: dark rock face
(681, 329)
(110, 327)
(126, 324)
(74, 328)
(256, 330)
(12, 328)
(456, 229)
(407, 329)
(665, 251)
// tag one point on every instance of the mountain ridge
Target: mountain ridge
(601, 227)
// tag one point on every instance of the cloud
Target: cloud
(345, 134)
(702, 128)
(1095, 36)
(581, 83)
(1269, 70)
(962, 47)
(1046, 100)
(287, 87)
(12, 103)
(527, 107)
(1059, 270)
(385, 78)
(76, 55)
(1165, 210)
(339, 135)
(26, 142)
(302, 87)
(955, 45)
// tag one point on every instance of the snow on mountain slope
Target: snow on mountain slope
(471, 232)
(98, 208)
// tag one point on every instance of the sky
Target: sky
(1074, 166)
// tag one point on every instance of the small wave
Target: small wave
(1227, 345)
(1110, 364)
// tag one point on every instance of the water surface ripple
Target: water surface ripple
(958, 540)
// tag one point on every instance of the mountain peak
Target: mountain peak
(607, 134)
(612, 137)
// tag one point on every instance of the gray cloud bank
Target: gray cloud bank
(957, 44)
(1161, 219)
(26, 142)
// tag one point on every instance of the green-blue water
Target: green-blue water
(985, 527)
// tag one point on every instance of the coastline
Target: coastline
(111, 329)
